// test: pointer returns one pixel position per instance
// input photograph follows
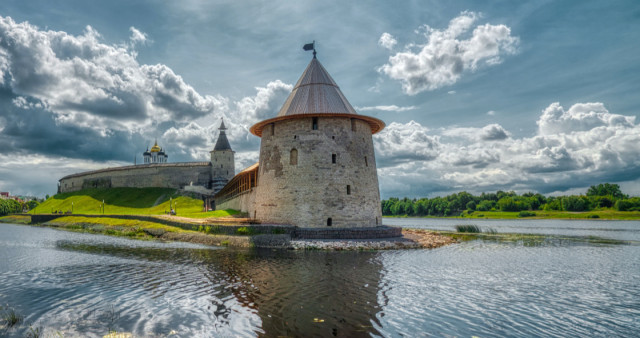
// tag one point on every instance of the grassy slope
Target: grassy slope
(606, 214)
(128, 201)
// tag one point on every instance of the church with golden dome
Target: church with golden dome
(156, 155)
(200, 178)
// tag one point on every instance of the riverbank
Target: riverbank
(531, 239)
(142, 230)
(249, 236)
(606, 214)
(411, 239)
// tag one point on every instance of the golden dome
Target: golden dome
(155, 148)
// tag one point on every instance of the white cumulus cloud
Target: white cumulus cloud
(448, 53)
(580, 117)
(79, 97)
(578, 147)
(392, 107)
(197, 139)
(387, 41)
(137, 37)
(86, 82)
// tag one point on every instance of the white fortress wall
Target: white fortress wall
(165, 175)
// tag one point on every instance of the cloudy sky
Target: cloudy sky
(528, 96)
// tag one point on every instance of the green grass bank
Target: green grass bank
(136, 229)
(128, 201)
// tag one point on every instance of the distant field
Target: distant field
(128, 201)
(605, 214)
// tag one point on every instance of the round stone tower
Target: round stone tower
(222, 160)
(317, 162)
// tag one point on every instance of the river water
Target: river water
(88, 285)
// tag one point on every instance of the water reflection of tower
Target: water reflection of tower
(307, 293)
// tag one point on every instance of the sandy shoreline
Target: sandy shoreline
(411, 239)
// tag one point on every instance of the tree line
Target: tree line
(9, 206)
(599, 196)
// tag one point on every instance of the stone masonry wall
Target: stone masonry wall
(244, 202)
(168, 175)
(308, 190)
(222, 164)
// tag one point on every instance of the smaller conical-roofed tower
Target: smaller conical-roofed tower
(317, 162)
(222, 160)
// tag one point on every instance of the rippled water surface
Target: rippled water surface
(87, 285)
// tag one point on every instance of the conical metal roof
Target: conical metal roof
(222, 143)
(317, 94)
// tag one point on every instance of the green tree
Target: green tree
(605, 189)
(9, 206)
(575, 203)
(515, 203)
(471, 205)
(485, 205)
(628, 204)
(32, 204)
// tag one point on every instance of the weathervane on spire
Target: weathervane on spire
(310, 46)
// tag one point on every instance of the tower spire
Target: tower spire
(222, 143)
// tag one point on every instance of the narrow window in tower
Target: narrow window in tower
(376, 220)
(366, 163)
(221, 166)
(273, 129)
(295, 137)
(329, 221)
(353, 124)
(255, 213)
(333, 158)
(314, 124)
(348, 190)
(227, 172)
(293, 157)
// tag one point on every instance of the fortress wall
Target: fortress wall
(169, 175)
(244, 202)
(306, 194)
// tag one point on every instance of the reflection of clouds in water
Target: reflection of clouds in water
(473, 288)
(194, 291)
(488, 288)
